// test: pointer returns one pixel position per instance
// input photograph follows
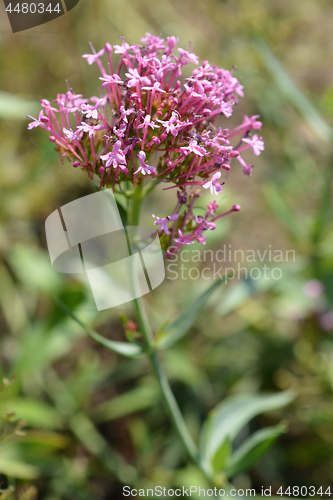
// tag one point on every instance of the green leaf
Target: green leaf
(253, 449)
(292, 93)
(181, 325)
(230, 416)
(136, 400)
(237, 295)
(221, 456)
(323, 217)
(17, 468)
(32, 267)
(35, 412)
(16, 107)
(86, 432)
(123, 348)
(283, 212)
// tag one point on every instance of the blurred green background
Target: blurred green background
(76, 421)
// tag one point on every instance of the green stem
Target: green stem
(144, 325)
(323, 218)
(167, 393)
(135, 206)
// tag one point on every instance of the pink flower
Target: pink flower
(162, 222)
(120, 132)
(235, 86)
(116, 157)
(212, 207)
(69, 134)
(256, 144)
(91, 111)
(144, 168)
(172, 42)
(203, 224)
(90, 128)
(194, 148)
(124, 112)
(214, 186)
(148, 123)
(110, 79)
(204, 71)
(226, 109)
(183, 240)
(189, 56)
(77, 104)
(154, 42)
(155, 88)
(47, 105)
(248, 124)
(247, 170)
(134, 78)
(193, 93)
(169, 124)
(123, 48)
(38, 122)
(174, 124)
(91, 58)
(251, 122)
(200, 239)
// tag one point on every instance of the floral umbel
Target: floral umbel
(147, 123)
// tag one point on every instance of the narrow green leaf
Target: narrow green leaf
(230, 416)
(221, 456)
(15, 107)
(84, 429)
(137, 399)
(181, 325)
(14, 467)
(253, 449)
(283, 212)
(35, 412)
(323, 217)
(123, 348)
(292, 93)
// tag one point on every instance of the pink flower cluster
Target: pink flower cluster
(144, 108)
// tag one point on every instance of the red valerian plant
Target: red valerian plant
(145, 114)
(147, 124)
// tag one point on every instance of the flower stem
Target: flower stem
(144, 325)
(167, 393)
(135, 206)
